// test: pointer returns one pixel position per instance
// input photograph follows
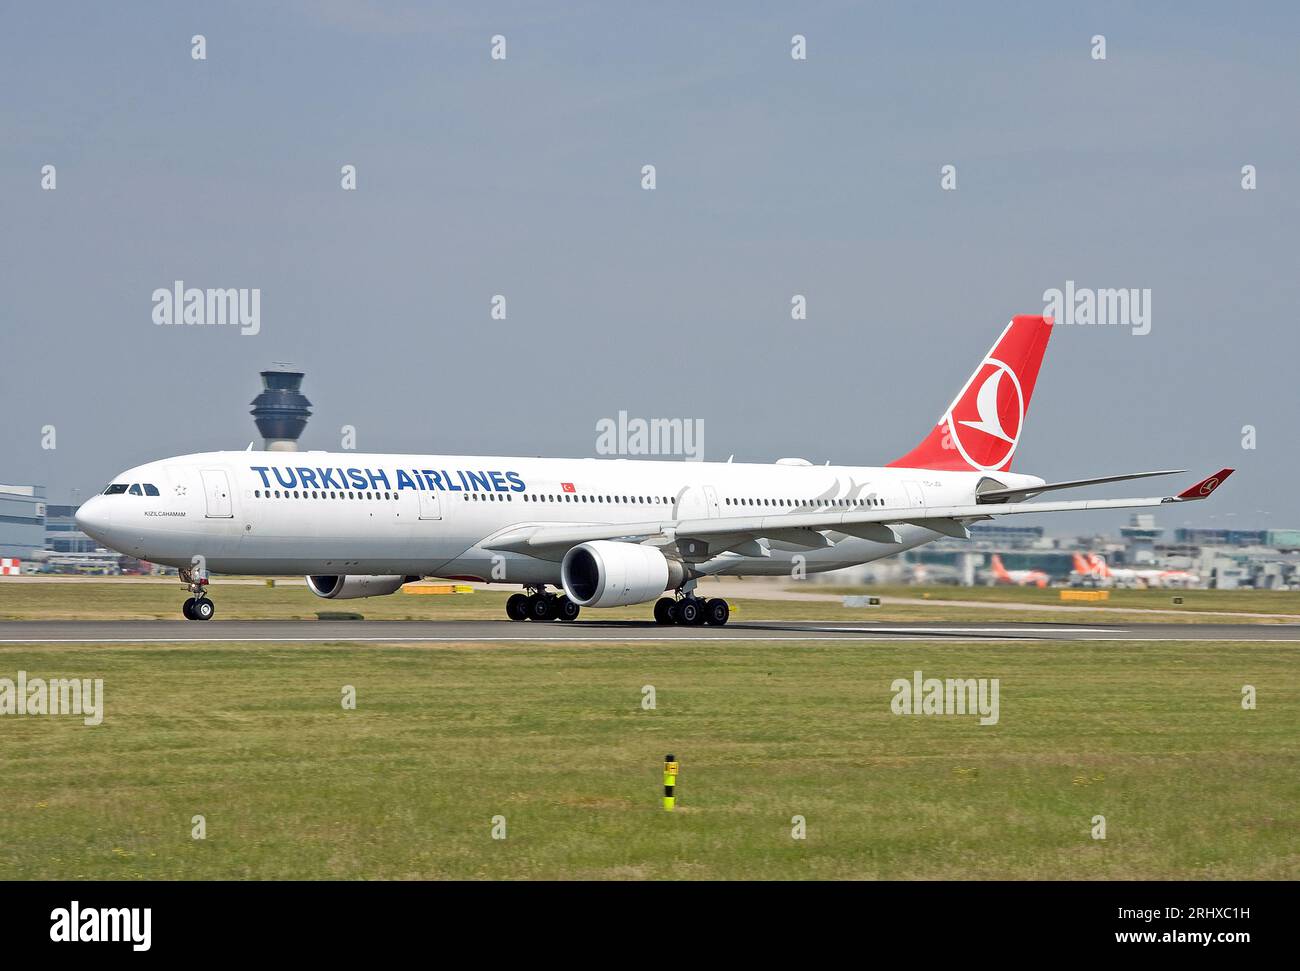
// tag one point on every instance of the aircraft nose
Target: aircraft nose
(94, 517)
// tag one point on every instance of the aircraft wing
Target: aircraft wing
(1014, 495)
(806, 529)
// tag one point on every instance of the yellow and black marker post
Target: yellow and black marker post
(670, 782)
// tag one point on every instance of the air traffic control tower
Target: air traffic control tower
(281, 410)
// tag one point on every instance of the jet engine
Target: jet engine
(353, 587)
(608, 574)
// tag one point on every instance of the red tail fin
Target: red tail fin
(981, 428)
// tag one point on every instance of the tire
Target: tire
(717, 612)
(690, 613)
(517, 607)
(664, 610)
(566, 610)
(203, 609)
(187, 609)
(541, 608)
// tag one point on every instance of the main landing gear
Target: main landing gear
(541, 606)
(197, 607)
(692, 611)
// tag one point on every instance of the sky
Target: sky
(774, 177)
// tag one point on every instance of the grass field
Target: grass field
(1233, 601)
(125, 598)
(554, 739)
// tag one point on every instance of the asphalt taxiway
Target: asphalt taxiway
(607, 632)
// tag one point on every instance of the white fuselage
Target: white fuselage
(434, 515)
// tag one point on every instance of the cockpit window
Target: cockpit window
(116, 489)
(135, 490)
(150, 489)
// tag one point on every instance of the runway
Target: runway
(603, 632)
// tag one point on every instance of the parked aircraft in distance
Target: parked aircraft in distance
(1137, 577)
(1021, 578)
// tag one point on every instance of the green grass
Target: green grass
(553, 738)
(1247, 601)
(129, 599)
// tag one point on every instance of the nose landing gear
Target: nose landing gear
(197, 607)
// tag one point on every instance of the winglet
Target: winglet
(1203, 488)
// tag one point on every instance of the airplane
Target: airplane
(603, 532)
(1083, 573)
(1021, 578)
(934, 573)
(1125, 576)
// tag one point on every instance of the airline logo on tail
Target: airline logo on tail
(982, 427)
(998, 413)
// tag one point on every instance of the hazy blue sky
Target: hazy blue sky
(775, 177)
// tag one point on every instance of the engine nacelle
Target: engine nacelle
(352, 587)
(607, 574)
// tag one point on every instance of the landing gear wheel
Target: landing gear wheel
(664, 610)
(541, 607)
(567, 610)
(203, 609)
(690, 613)
(716, 612)
(517, 607)
(700, 616)
(187, 609)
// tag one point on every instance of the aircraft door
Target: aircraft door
(698, 502)
(430, 505)
(216, 492)
(711, 501)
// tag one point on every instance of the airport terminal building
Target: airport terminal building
(22, 521)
